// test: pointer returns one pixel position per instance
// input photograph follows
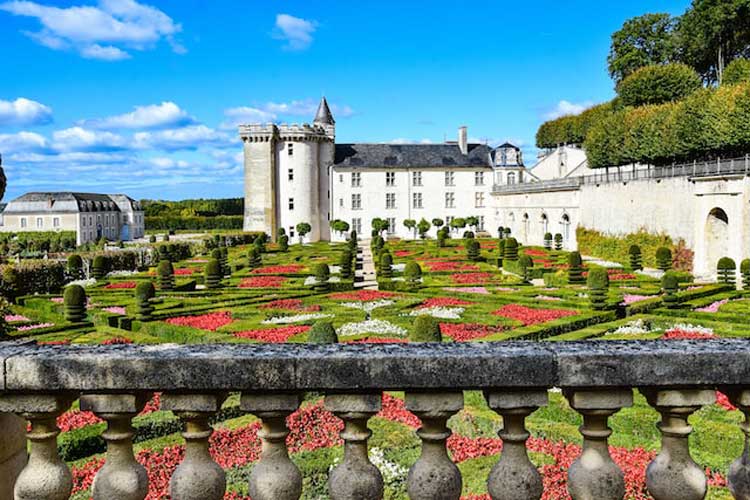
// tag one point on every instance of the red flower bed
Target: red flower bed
(116, 340)
(402, 253)
(534, 251)
(362, 295)
(461, 332)
(471, 278)
(681, 334)
(723, 401)
(615, 275)
(289, 305)
(274, 335)
(120, 285)
(263, 282)
(529, 316)
(185, 271)
(444, 302)
(210, 321)
(287, 269)
(395, 410)
(449, 265)
(75, 419)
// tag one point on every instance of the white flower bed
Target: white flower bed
(310, 280)
(121, 274)
(636, 327)
(368, 306)
(280, 320)
(376, 326)
(398, 267)
(688, 327)
(83, 283)
(439, 312)
(335, 269)
(392, 472)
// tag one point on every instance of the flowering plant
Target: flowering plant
(121, 285)
(289, 305)
(36, 326)
(376, 326)
(115, 310)
(448, 265)
(480, 290)
(273, 335)
(116, 341)
(210, 321)
(84, 283)
(278, 320)
(362, 295)
(461, 332)
(712, 308)
(263, 282)
(471, 278)
(439, 312)
(530, 316)
(286, 269)
(15, 318)
(630, 298)
(444, 302)
(367, 306)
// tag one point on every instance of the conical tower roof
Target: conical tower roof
(324, 115)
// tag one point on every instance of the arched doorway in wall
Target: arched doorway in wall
(525, 229)
(565, 227)
(716, 234)
(545, 223)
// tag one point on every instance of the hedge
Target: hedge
(571, 129)
(658, 84)
(52, 241)
(617, 248)
(30, 277)
(165, 223)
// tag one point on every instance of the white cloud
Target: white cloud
(246, 114)
(81, 139)
(96, 32)
(271, 111)
(186, 138)
(22, 142)
(297, 32)
(403, 140)
(154, 116)
(566, 108)
(24, 111)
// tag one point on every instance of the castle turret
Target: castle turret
(324, 119)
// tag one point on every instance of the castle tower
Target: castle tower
(261, 200)
(324, 119)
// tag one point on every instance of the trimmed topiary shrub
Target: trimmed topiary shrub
(346, 264)
(254, 259)
(100, 267)
(558, 241)
(473, 252)
(745, 270)
(468, 234)
(669, 285)
(412, 275)
(283, 243)
(213, 274)
(726, 269)
(511, 249)
(526, 264)
(664, 258)
(353, 241)
(322, 332)
(500, 251)
(636, 259)
(426, 329)
(575, 269)
(166, 237)
(74, 300)
(144, 292)
(386, 263)
(165, 273)
(598, 283)
(501, 232)
(152, 238)
(322, 273)
(260, 243)
(441, 237)
(75, 266)
(548, 241)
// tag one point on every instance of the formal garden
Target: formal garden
(240, 288)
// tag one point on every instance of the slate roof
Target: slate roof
(411, 155)
(66, 201)
(324, 114)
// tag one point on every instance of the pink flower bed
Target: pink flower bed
(461, 332)
(57, 300)
(121, 285)
(35, 326)
(289, 305)
(15, 318)
(530, 316)
(115, 310)
(402, 253)
(288, 269)
(263, 282)
(363, 295)
(449, 265)
(480, 290)
(712, 308)
(628, 298)
(444, 302)
(471, 278)
(185, 271)
(273, 335)
(211, 321)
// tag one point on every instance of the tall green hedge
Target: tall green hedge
(616, 248)
(176, 223)
(658, 84)
(571, 129)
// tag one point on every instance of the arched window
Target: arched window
(545, 223)
(565, 223)
(511, 178)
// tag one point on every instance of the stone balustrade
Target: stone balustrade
(38, 383)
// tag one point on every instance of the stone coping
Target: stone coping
(363, 367)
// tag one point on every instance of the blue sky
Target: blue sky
(143, 98)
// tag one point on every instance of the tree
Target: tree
(712, 33)
(303, 228)
(379, 225)
(642, 41)
(410, 224)
(472, 221)
(423, 227)
(658, 84)
(438, 223)
(458, 223)
(738, 71)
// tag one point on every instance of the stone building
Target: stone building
(92, 216)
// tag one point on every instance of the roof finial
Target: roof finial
(324, 116)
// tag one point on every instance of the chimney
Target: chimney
(463, 140)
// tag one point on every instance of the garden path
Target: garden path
(368, 281)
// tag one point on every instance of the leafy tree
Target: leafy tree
(423, 227)
(379, 225)
(303, 228)
(438, 223)
(410, 224)
(472, 221)
(738, 71)
(458, 223)
(658, 84)
(642, 41)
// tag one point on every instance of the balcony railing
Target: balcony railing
(38, 383)
(714, 168)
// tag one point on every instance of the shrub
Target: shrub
(500, 252)
(353, 237)
(165, 237)
(658, 84)
(152, 238)
(737, 71)
(669, 285)
(558, 241)
(511, 249)
(346, 264)
(745, 270)
(322, 332)
(144, 292)
(526, 264)
(548, 241)
(441, 237)
(75, 266)
(469, 234)
(254, 258)
(598, 283)
(260, 244)
(322, 273)
(412, 274)
(283, 243)
(500, 232)
(281, 232)
(726, 270)
(165, 273)
(74, 300)
(386, 262)
(473, 252)
(33, 276)
(426, 329)
(636, 259)
(225, 261)
(100, 267)
(664, 258)
(575, 269)
(213, 274)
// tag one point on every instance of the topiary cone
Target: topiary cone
(74, 301)
(165, 274)
(322, 332)
(144, 292)
(598, 283)
(213, 274)
(426, 329)
(669, 285)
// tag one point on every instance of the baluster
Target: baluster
(738, 477)
(355, 477)
(514, 477)
(198, 477)
(274, 477)
(45, 477)
(434, 476)
(594, 475)
(13, 456)
(673, 475)
(121, 477)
